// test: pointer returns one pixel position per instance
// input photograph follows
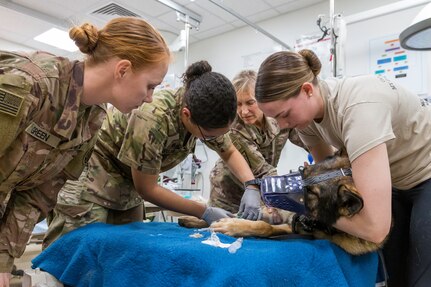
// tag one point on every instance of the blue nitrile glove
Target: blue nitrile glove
(212, 214)
(250, 204)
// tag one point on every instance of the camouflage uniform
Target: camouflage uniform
(46, 135)
(260, 148)
(151, 139)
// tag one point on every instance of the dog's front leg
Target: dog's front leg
(246, 228)
(191, 222)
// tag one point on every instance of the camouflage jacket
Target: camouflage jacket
(260, 148)
(151, 139)
(46, 135)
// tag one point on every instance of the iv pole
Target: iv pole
(333, 39)
(190, 20)
(188, 25)
(338, 37)
(187, 28)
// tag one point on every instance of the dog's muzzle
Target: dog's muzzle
(287, 191)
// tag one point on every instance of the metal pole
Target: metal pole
(333, 39)
(187, 27)
(231, 11)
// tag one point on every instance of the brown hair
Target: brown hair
(127, 38)
(282, 74)
(244, 81)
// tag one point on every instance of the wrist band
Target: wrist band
(255, 181)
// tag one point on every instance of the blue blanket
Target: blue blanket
(163, 254)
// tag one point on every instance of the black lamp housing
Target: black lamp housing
(418, 35)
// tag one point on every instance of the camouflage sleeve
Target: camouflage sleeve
(9, 129)
(75, 167)
(16, 103)
(225, 189)
(24, 209)
(250, 151)
(221, 143)
(144, 142)
(6, 262)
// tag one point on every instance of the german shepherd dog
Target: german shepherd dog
(326, 200)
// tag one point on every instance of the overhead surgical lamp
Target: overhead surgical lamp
(418, 35)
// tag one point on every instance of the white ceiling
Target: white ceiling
(22, 20)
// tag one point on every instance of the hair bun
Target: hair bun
(312, 60)
(196, 70)
(85, 37)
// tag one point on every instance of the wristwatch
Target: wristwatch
(255, 181)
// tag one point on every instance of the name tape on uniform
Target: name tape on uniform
(41, 134)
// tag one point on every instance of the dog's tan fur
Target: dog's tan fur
(326, 202)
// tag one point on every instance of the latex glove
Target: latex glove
(212, 214)
(250, 204)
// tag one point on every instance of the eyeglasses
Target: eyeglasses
(204, 138)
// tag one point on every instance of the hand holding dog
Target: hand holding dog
(213, 214)
(250, 204)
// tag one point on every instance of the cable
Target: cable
(324, 29)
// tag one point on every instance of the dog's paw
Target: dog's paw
(191, 222)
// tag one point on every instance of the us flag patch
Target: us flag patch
(10, 103)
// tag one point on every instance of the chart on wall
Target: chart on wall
(388, 58)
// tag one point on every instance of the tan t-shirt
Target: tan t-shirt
(365, 111)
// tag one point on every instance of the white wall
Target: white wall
(226, 52)
(10, 46)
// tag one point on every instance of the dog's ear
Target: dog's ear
(350, 202)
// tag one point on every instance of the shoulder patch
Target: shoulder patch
(10, 103)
